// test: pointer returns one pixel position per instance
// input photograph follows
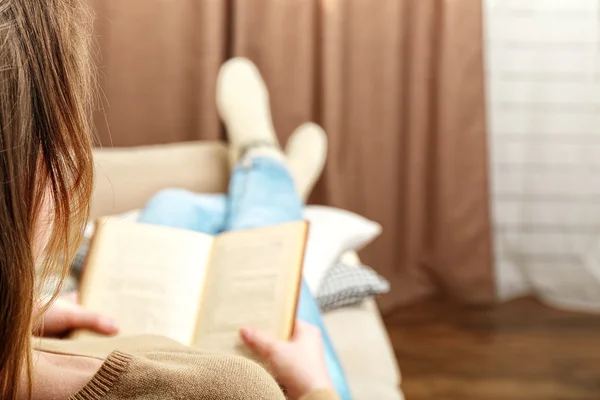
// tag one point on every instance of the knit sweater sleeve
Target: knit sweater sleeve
(196, 377)
(321, 394)
(156, 368)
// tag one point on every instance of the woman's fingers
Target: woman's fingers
(65, 316)
(299, 364)
(301, 328)
(262, 345)
(79, 318)
(304, 330)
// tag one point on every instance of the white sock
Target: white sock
(243, 104)
(306, 153)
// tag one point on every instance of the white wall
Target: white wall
(543, 62)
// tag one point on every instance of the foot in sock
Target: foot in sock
(306, 153)
(243, 104)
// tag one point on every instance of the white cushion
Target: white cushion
(332, 233)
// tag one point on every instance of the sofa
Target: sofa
(127, 177)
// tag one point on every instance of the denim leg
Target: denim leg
(178, 208)
(262, 193)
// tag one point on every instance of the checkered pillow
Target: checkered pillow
(347, 285)
(79, 260)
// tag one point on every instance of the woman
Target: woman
(46, 175)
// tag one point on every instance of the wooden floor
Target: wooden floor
(517, 351)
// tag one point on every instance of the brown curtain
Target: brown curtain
(398, 85)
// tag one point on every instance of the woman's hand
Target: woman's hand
(65, 315)
(299, 364)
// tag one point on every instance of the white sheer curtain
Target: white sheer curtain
(543, 67)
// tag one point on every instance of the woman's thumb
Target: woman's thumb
(258, 342)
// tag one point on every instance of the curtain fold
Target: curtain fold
(399, 88)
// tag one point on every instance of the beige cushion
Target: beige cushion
(126, 178)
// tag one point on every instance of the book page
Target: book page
(253, 281)
(147, 277)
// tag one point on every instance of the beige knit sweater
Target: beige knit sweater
(155, 368)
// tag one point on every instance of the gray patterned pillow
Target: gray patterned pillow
(348, 285)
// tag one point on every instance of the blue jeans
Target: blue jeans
(261, 193)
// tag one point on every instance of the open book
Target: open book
(195, 288)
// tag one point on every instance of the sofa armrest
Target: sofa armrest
(363, 346)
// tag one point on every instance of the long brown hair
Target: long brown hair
(45, 158)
